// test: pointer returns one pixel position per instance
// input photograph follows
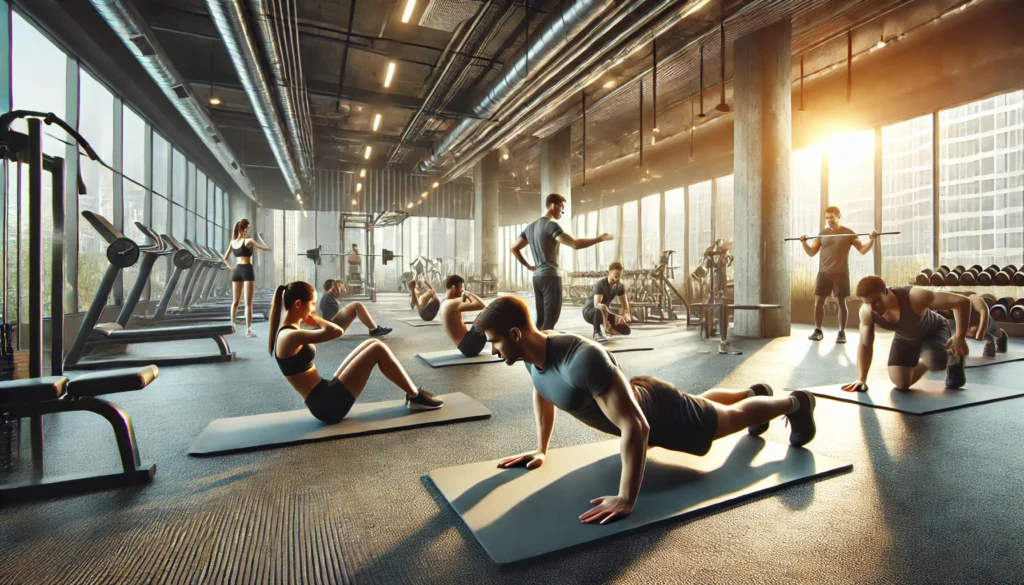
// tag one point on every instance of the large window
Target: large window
(160, 190)
(907, 199)
(851, 187)
(675, 232)
(96, 124)
(650, 231)
(724, 209)
(980, 169)
(700, 221)
(607, 252)
(133, 184)
(805, 218)
(630, 224)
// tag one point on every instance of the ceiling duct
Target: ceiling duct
(545, 42)
(130, 27)
(447, 15)
(228, 17)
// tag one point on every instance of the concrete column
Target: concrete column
(762, 132)
(487, 248)
(556, 177)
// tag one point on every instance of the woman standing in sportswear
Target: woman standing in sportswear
(242, 276)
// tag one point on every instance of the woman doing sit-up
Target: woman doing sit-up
(330, 400)
(424, 299)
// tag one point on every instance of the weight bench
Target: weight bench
(35, 397)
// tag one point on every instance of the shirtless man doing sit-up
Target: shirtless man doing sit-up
(456, 302)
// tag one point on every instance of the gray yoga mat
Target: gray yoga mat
(976, 361)
(417, 322)
(517, 514)
(925, 397)
(454, 357)
(276, 429)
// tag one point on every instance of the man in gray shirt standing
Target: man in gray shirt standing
(833, 268)
(543, 236)
(582, 378)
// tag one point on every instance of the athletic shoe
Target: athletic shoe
(423, 401)
(802, 421)
(841, 338)
(249, 333)
(990, 349)
(816, 336)
(956, 375)
(760, 390)
(1002, 341)
(599, 337)
(380, 331)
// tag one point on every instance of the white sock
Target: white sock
(795, 404)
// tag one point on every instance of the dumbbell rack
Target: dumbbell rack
(976, 279)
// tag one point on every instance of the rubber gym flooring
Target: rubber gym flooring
(931, 499)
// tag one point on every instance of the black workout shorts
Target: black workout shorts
(908, 352)
(330, 401)
(678, 421)
(472, 343)
(243, 273)
(827, 284)
(430, 311)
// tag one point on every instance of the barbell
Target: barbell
(839, 236)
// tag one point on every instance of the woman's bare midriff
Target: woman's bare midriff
(304, 382)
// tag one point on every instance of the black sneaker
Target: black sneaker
(1002, 341)
(990, 349)
(380, 331)
(802, 421)
(956, 375)
(816, 336)
(760, 390)
(423, 401)
(841, 338)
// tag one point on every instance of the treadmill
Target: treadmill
(122, 252)
(219, 269)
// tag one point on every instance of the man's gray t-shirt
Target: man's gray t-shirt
(541, 235)
(835, 252)
(329, 306)
(609, 292)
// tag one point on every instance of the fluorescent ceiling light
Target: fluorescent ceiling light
(376, 122)
(359, 187)
(389, 74)
(362, 172)
(368, 150)
(436, 184)
(408, 10)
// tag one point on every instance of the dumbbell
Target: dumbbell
(970, 276)
(938, 277)
(990, 300)
(1005, 276)
(1017, 311)
(985, 277)
(1001, 309)
(953, 278)
(1018, 278)
(923, 277)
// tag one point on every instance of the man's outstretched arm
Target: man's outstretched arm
(581, 243)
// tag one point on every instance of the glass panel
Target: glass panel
(133, 145)
(190, 186)
(200, 198)
(675, 237)
(161, 272)
(650, 230)
(178, 171)
(606, 252)
(630, 223)
(161, 176)
(700, 221)
(724, 209)
(96, 124)
(805, 217)
(980, 187)
(851, 188)
(178, 221)
(907, 199)
(590, 254)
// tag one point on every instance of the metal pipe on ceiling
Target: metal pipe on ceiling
(548, 42)
(228, 17)
(131, 28)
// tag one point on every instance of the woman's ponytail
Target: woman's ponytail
(275, 316)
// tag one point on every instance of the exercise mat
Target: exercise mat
(925, 397)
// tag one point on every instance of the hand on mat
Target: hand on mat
(529, 460)
(608, 508)
(958, 346)
(857, 386)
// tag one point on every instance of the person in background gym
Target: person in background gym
(456, 302)
(292, 347)
(582, 378)
(543, 236)
(833, 269)
(923, 341)
(424, 299)
(982, 327)
(596, 310)
(243, 276)
(331, 310)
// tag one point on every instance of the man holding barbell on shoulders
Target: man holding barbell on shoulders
(834, 243)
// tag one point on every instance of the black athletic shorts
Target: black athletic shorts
(330, 401)
(243, 273)
(430, 311)
(908, 352)
(472, 343)
(827, 284)
(678, 421)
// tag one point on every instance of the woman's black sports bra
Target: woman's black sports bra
(241, 252)
(298, 363)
